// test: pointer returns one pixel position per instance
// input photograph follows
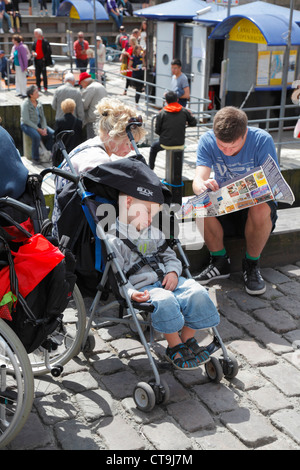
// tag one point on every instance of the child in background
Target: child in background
(91, 58)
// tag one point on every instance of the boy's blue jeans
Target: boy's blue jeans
(188, 305)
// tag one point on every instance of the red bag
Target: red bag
(33, 261)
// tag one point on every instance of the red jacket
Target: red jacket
(80, 53)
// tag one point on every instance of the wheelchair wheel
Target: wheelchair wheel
(65, 342)
(16, 385)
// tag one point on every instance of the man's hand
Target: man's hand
(208, 184)
(170, 281)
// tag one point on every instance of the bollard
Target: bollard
(173, 174)
(27, 146)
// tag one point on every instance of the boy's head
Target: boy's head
(230, 129)
(171, 97)
(137, 212)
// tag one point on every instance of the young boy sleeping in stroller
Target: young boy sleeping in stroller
(181, 305)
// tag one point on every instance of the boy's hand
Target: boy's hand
(170, 281)
(140, 296)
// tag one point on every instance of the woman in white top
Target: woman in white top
(101, 56)
(112, 141)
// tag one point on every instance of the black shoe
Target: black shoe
(254, 283)
(218, 268)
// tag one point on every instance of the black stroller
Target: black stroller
(99, 186)
(38, 289)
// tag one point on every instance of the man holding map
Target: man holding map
(233, 149)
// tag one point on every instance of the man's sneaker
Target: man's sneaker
(218, 268)
(1, 31)
(254, 283)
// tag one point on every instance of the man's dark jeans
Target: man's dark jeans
(40, 69)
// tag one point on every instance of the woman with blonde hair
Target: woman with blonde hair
(69, 122)
(111, 140)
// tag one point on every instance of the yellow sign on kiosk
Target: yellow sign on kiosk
(246, 31)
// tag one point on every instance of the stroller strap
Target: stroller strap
(152, 260)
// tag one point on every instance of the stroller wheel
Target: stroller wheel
(144, 396)
(214, 370)
(230, 367)
(90, 343)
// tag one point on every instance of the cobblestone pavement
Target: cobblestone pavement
(91, 406)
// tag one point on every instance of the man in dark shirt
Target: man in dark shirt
(42, 58)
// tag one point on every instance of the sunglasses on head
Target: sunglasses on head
(138, 120)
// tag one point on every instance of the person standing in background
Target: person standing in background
(179, 82)
(68, 90)
(92, 63)
(92, 93)
(101, 56)
(41, 50)
(80, 48)
(137, 65)
(19, 57)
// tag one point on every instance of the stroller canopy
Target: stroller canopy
(131, 176)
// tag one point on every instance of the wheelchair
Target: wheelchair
(16, 385)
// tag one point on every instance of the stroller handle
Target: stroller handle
(130, 136)
(60, 136)
(64, 174)
(9, 201)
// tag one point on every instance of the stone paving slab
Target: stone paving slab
(90, 407)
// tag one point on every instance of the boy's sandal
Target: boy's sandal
(200, 352)
(186, 361)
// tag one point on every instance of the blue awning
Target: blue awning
(82, 10)
(176, 10)
(273, 28)
(259, 7)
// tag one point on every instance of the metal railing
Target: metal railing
(153, 102)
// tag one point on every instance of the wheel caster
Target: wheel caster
(144, 396)
(230, 366)
(162, 391)
(57, 370)
(214, 370)
(90, 343)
